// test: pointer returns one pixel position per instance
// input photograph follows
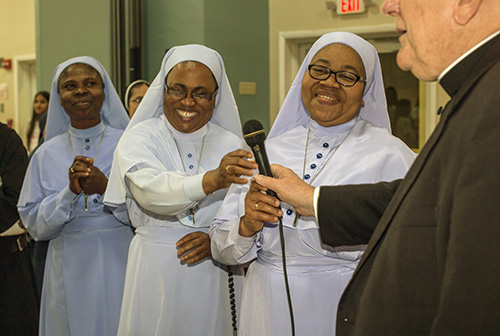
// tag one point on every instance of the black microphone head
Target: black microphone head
(254, 133)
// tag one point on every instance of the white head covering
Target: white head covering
(130, 87)
(112, 112)
(225, 112)
(293, 113)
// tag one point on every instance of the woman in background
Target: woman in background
(134, 94)
(40, 106)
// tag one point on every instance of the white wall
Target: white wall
(17, 39)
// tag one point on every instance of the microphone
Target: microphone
(255, 135)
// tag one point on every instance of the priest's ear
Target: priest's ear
(465, 11)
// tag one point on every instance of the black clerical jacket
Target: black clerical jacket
(432, 266)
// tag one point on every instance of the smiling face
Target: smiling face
(328, 102)
(425, 30)
(187, 115)
(81, 93)
(40, 105)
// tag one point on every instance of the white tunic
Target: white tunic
(351, 153)
(162, 295)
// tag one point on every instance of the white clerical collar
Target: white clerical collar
(331, 131)
(193, 136)
(452, 65)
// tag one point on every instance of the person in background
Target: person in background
(40, 106)
(19, 298)
(392, 100)
(61, 201)
(431, 266)
(134, 94)
(404, 125)
(333, 128)
(41, 124)
(172, 168)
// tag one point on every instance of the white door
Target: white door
(25, 90)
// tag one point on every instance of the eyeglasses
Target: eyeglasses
(199, 97)
(344, 78)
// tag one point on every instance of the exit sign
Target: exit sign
(350, 6)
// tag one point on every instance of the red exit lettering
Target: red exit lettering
(350, 6)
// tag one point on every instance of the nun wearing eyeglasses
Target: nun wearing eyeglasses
(61, 201)
(172, 168)
(333, 128)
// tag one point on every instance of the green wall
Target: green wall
(65, 29)
(169, 23)
(238, 30)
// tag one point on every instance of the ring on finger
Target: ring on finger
(227, 170)
(256, 206)
(72, 170)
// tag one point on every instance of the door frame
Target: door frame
(24, 88)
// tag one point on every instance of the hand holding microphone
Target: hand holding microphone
(259, 207)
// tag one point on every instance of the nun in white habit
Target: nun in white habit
(332, 129)
(61, 201)
(172, 168)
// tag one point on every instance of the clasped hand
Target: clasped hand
(84, 176)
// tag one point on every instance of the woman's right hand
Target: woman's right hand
(259, 208)
(232, 166)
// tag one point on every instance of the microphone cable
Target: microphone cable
(254, 135)
(285, 274)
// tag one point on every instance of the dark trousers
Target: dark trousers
(19, 298)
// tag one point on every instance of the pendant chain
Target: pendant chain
(320, 169)
(95, 155)
(197, 168)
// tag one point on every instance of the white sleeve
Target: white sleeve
(164, 193)
(228, 247)
(316, 198)
(45, 219)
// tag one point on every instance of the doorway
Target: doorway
(24, 92)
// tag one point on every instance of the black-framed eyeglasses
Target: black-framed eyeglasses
(198, 96)
(344, 78)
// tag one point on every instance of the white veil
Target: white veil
(112, 112)
(293, 113)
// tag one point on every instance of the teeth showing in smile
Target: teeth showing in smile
(186, 114)
(326, 97)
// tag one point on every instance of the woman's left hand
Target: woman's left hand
(194, 247)
(95, 183)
